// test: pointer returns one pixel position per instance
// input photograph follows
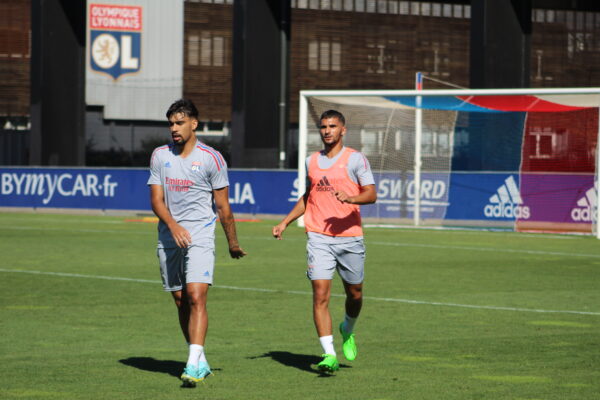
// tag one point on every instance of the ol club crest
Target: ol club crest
(115, 39)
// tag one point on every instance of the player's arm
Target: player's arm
(221, 197)
(296, 213)
(157, 199)
(367, 195)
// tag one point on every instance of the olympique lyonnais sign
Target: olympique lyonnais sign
(115, 39)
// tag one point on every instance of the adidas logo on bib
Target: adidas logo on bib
(324, 185)
(507, 202)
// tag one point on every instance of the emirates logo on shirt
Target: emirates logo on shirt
(324, 185)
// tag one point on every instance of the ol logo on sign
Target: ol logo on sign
(115, 39)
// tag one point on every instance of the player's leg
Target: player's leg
(353, 304)
(322, 318)
(351, 257)
(171, 263)
(321, 294)
(321, 267)
(199, 276)
(171, 272)
(183, 311)
(197, 294)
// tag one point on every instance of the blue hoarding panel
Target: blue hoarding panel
(457, 196)
(263, 192)
(120, 189)
(266, 192)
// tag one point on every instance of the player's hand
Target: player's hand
(342, 196)
(181, 236)
(278, 230)
(236, 252)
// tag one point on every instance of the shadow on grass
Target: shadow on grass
(172, 368)
(303, 362)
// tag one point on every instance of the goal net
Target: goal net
(522, 159)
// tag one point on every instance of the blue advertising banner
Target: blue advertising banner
(396, 196)
(104, 189)
(262, 192)
(252, 192)
(456, 196)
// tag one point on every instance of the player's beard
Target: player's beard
(180, 142)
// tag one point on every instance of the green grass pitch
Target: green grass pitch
(447, 315)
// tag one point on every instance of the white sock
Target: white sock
(327, 344)
(203, 358)
(349, 322)
(195, 351)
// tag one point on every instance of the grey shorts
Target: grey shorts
(195, 264)
(325, 258)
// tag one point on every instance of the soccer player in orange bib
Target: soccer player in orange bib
(339, 181)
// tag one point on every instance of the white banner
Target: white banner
(134, 57)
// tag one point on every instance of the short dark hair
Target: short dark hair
(333, 114)
(184, 106)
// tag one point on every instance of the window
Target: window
(371, 6)
(325, 55)
(457, 11)
(414, 8)
(193, 49)
(404, 7)
(546, 143)
(207, 50)
(435, 141)
(448, 10)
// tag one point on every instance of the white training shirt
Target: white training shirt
(187, 185)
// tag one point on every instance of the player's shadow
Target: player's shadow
(170, 367)
(303, 362)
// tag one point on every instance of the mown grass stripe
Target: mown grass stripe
(264, 290)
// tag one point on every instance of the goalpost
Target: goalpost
(522, 159)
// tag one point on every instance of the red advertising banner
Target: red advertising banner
(115, 17)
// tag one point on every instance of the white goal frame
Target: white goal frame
(418, 94)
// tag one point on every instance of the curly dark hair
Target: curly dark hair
(184, 106)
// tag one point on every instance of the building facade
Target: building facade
(335, 44)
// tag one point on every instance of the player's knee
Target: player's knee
(196, 300)
(355, 294)
(321, 299)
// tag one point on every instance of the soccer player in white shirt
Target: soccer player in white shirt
(185, 177)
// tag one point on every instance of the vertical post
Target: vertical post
(417, 164)
(57, 88)
(259, 98)
(284, 31)
(596, 209)
(302, 142)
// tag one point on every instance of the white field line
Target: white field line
(499, 250)
(263, 290)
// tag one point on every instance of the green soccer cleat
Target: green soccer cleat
(349, 345)
(329, 363)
